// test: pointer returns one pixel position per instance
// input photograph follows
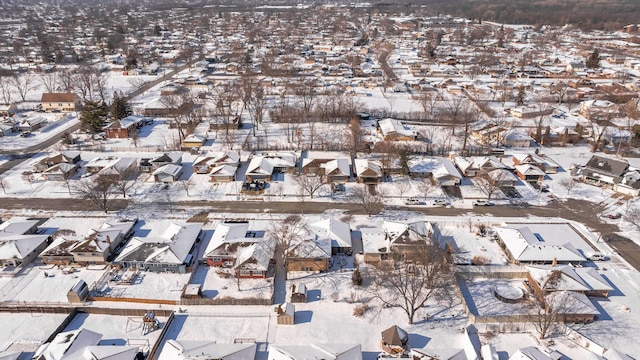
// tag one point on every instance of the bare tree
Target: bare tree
(4, 184)
(548, 308)
(426, 186)
(67, 80)
(23, 84)
(6, 89)
(98, 189)
(424, 275)
(632, 215)
(568, 184)
(126, 181)
(427, 100)
(490, 182)
(370, 203)
(91, 83)
(309, 184)
(187, 184)
(286, 234)
(180, 108)
(599, 122)
(402, 187)
(28, 176)
(50, 81)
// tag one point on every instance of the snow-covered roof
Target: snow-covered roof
(339, 232)
(337, 167)
(260, 252)
(446, 169)
(259, 166)
(525, 246)
(224, 170)
(440, 354)
(169, 169)
(316, 351)
(392, 126)
(16, 226)
(364, 165)
(572, 279)
(229, 233)
(171, 247)
(374, 240)
(529, 170)
(311, 248)
(402, 232)
(531, 353)
(192, 350)
(571, 302)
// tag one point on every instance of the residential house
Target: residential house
(616, 136)
(206, 350)
(59, 102)
(151, 164)
(439, 354)
(394, 240)
(473, 166)
(194, 141)
(523, 246)
(529, 173)
(315, 351)
(67, 157)
(533, 353)
(19, 242)
(168, 249)
(99, 245)
(542, 162)
(111, 165)
(544, 279)
(7, 110)
(337, 170)
(517, 138)
(227, 238)
(447, 174)
(223, 173)
(283, 162)
(60, 172)
(123, 128)
(59, 251)
(168, 173)
(394, 130)
(83, 344)
(255, 260)
(310, 254)
(598, 110)
(604, 170)
(337, 231)
(630, 184)
(259, 169)
(205, 163)
(526, 112)
(423, 167)
(503, 177)
(32, 124)
(368, 171)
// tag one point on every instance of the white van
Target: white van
(596, 256)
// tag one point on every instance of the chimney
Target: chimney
(108, 240)
(555, 262)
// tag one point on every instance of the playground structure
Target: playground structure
(149, 323)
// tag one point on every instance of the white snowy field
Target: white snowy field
(26, 331)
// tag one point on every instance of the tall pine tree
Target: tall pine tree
(120, 107)
(94, 116)
(593, 60)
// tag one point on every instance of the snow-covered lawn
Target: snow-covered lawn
(216, 283)
(26, 331)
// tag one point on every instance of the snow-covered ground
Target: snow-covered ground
(26, 331)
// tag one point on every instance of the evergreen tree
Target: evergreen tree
(520, 97)
(120, 107)
(94, 116)
(593, 60)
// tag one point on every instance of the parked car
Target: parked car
(439, 202)
(26, 134)
(481, 202)
(596, 256)
(412, 201)
(614, 215)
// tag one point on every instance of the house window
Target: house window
(245, 272)
(217, 258)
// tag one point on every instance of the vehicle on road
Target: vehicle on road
(26, 134)
(412, 201)
(439, 202)
(481, 202)
(614, 215)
